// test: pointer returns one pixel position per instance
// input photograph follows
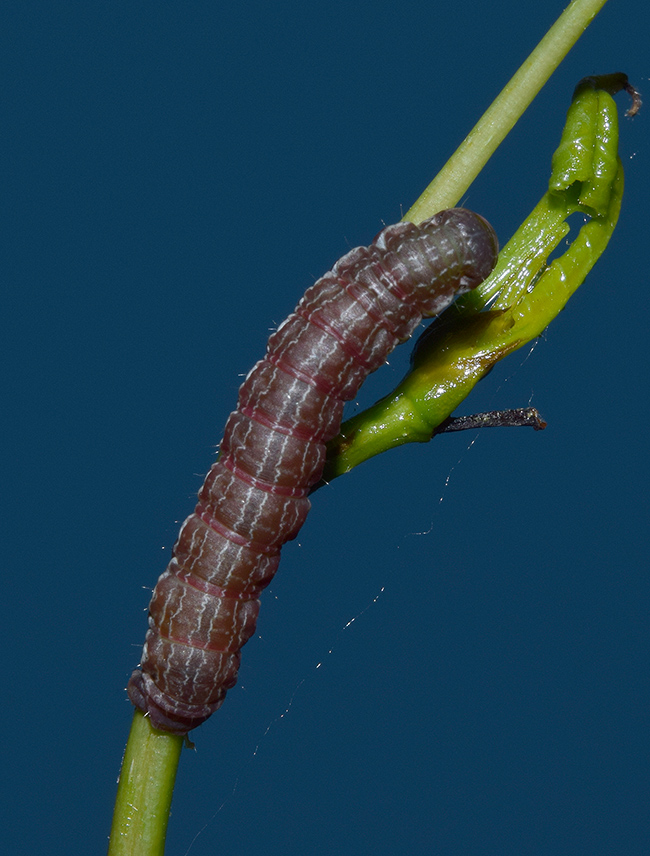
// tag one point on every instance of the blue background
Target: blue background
(174, 176)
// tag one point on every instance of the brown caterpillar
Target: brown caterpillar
(204, 607)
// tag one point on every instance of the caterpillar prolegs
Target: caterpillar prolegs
(204, 607)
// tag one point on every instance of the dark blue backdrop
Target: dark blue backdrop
(175, 175)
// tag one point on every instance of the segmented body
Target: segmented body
(205, 605)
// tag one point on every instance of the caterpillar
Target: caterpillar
(255, 497)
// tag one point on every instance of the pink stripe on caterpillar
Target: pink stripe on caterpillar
(202, 585)
(260, 417)
(205, 606)
(350, 350)
(220, 529)
(279, 490)
(292, 371)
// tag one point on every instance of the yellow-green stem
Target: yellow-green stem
(144, 792)
(453, 180)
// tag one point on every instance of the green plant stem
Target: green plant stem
(453, 180)
(144, 792)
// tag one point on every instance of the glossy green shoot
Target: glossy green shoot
(523, 293)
